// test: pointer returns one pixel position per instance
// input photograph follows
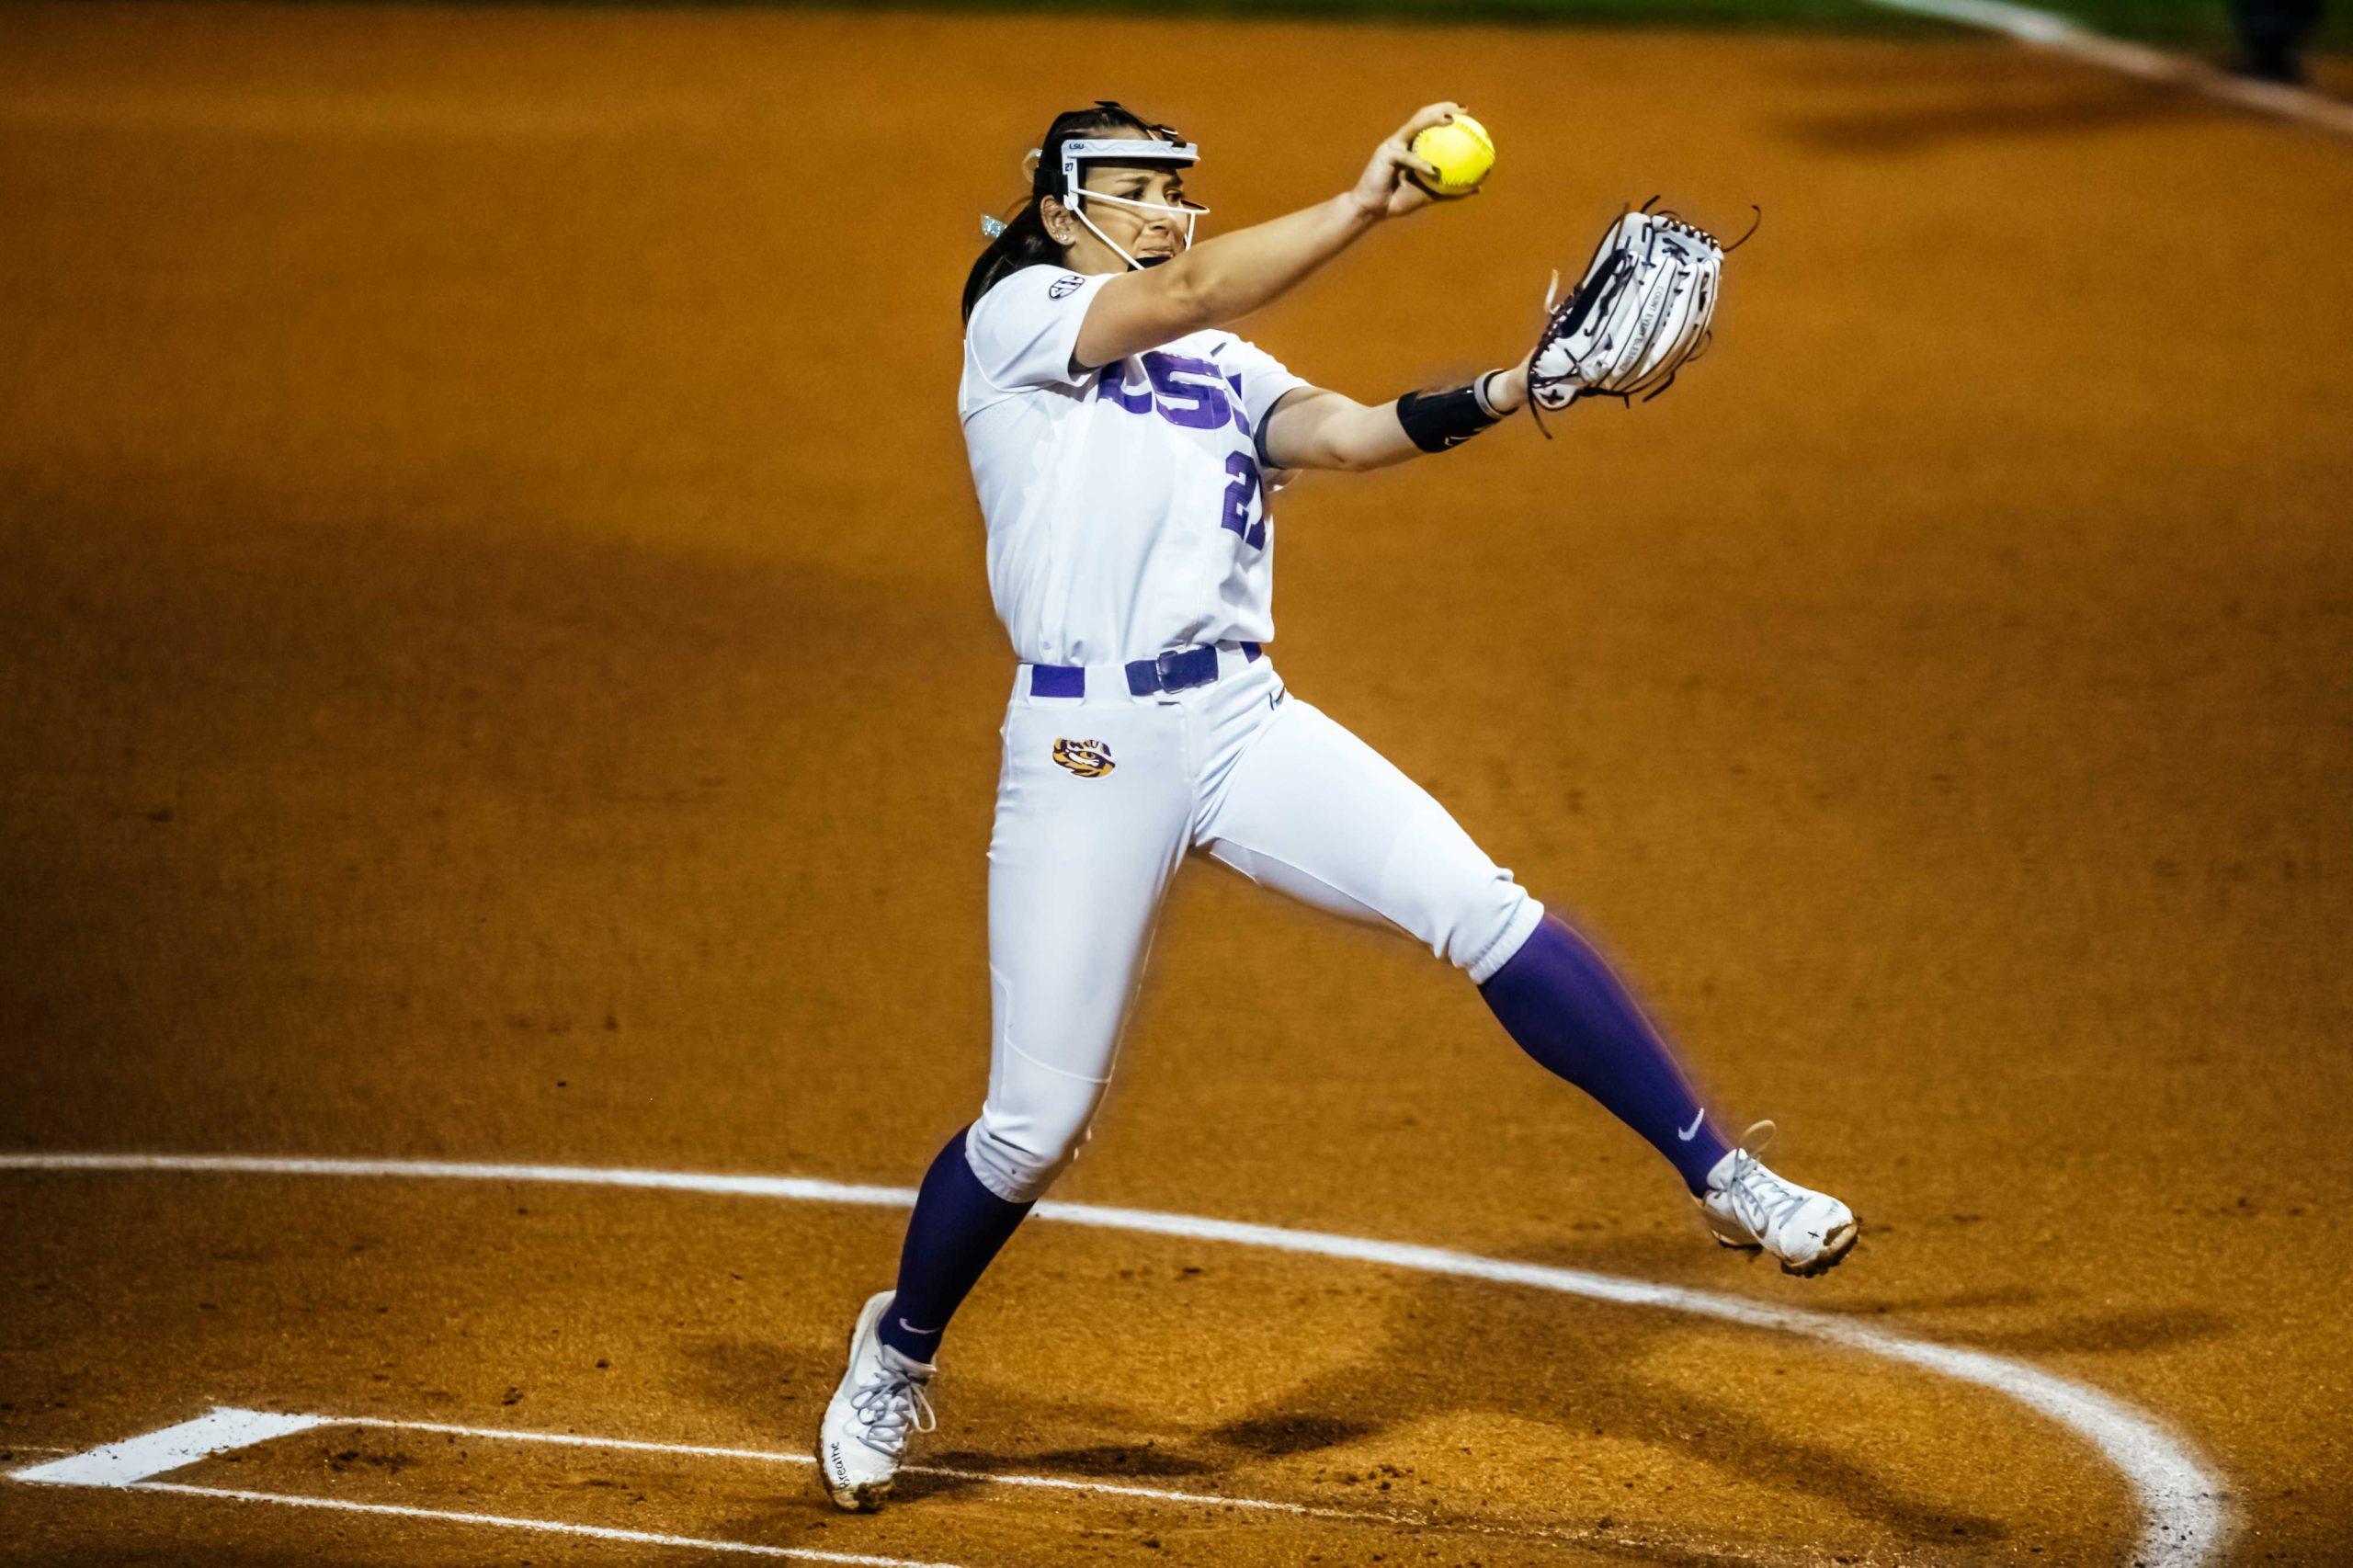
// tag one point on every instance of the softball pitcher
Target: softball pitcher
(1124, 443)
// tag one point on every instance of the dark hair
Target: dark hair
(1024, 242)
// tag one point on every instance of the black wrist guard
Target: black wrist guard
(1435, 421)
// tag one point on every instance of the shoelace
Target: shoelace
(1761, 1198)
(889, 1406)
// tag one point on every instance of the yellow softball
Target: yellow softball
(1463, 153)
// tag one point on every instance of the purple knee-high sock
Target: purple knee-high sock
(1564, 1007)
(957, 1229)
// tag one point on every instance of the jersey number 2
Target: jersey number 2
(1239, 494)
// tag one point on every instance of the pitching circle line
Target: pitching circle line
(2184, 1518)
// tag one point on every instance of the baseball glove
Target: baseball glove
(1642, 314)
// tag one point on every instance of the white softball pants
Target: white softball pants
(1078, 866)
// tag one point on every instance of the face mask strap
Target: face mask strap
(1189, 211)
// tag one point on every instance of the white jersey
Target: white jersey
(1126, 509)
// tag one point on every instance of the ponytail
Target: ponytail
(1023, 241)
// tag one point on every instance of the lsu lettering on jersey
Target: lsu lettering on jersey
(1126, 505)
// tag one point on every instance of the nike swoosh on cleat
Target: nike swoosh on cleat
(1686, 1134)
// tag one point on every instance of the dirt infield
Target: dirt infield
(494, 665)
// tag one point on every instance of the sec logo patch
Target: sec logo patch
(1062, 288)
(1088, 759)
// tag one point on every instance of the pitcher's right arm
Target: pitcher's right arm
(1223, 279)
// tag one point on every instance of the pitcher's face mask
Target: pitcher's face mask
(1145, 151)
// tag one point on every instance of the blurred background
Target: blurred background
(495, 665)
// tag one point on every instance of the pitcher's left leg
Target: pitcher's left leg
(1311, 810)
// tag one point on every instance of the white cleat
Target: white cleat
(1750, 1207)
(879, 1405)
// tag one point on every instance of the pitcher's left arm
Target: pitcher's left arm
(1316, 427)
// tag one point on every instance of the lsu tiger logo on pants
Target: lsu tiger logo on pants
(1088, 759)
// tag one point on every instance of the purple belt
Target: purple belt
(1178, 671)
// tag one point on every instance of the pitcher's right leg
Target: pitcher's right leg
(1093, 806)
(1083, 849)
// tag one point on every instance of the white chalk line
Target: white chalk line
(133, 1462)
(2183, 1517)
(2063, 35)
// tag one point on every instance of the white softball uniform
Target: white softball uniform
(1125, 507)
(1129, 554)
